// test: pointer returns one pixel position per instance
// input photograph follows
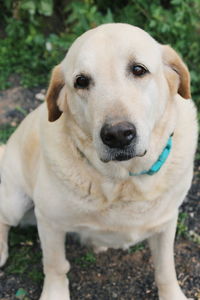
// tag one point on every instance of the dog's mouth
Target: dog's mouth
(117, 157)
(123, 156)
(120, 156)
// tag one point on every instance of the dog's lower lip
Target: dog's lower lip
(123, 157)
(119, 157)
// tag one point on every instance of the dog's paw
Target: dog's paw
(55, 288)
(172, 294)
(3, 253)
(177, 297)
(55, 295)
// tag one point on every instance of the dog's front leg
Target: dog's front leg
(55, 264)
(162, 245)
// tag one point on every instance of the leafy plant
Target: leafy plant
(85, 15)
(24, 49)
(88, 259)
(24, 255)
(182, 228)
(137, 247)
(38, 33)
(31, 46)
(5, 132)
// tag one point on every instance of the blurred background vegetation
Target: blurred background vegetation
(35, 34)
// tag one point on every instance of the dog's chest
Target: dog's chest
(116, 227)
(108, 214)
(122, 221)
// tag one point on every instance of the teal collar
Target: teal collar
(159, 163)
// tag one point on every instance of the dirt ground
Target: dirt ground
(115, 274)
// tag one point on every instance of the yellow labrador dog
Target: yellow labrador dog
(109, 155)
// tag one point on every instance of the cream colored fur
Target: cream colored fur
(57, 166)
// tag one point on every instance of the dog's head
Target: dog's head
(116, 81)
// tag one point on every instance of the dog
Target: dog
(109, 155)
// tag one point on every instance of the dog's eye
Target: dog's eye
(82, 82)
(139, 70)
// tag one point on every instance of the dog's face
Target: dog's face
(116, 81)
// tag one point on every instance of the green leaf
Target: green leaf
(20, 294)
(5, 133)
(109, 17)
(29, 6)
(45, 7)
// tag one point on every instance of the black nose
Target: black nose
(118, 135)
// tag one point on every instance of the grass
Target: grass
(5, 132)
(86, 260)
(25, 254)
(182, 228)
(183, 231)
(136, 248)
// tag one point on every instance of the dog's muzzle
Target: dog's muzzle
(119, 140)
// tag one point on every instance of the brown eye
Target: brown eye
(82, 82)
(138, 70)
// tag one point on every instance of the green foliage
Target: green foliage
(182, 228)
(38, 33)
(24, 258)
(136, 248)
(5, 132)
(86, 260)
(20, 294)
(44, 7)
(31, 47)
(85, 15)
(25, 49)
(183, 231)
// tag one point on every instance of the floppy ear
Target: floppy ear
(177, 73)
(56, 84)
